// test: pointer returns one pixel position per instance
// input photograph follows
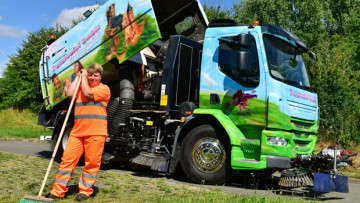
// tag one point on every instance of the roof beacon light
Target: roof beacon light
(256, 23)
(52, 39)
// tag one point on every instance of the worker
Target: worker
(88, 134)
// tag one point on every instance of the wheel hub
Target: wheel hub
(208, 155)
(65, 138)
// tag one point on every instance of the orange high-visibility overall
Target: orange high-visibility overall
(87, 136)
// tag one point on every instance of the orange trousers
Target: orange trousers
(93, 147)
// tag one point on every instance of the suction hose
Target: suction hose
(126, 98)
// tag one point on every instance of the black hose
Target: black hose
(126, 98)
(112, 108)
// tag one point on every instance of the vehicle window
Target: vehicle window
(228, 62)
(285, 62)
(184, 25)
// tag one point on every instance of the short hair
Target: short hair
(95, 68)
(80, 65)
(53, 76)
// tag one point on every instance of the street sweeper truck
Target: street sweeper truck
(207, 98)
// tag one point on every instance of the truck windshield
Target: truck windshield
(285, 62)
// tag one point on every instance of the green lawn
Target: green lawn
(22, 175)
(20, 125)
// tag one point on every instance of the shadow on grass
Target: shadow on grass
(237, 181)
(74, 190)
(44, 154)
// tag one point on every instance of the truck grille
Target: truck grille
(302, 125)
(301, 143)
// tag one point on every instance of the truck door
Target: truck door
(240, 95)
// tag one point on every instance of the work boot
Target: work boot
(82, 197)
(51, 196)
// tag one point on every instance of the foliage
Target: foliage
(20, 125)
(215, 12)
(337, 86)
(21, 74)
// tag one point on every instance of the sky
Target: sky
(20, 17)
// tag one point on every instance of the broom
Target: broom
(39, 198)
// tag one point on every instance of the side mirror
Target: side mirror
(243, 61)
(312, 55)
(245, 40)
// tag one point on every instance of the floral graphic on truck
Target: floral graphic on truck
(242, 100)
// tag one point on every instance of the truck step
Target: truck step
(251, 140)
(252, 161)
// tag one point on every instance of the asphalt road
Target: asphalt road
(238, 184)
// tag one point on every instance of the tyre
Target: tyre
(63, 141)
(205, 155)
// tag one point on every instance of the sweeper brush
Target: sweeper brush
(320, 171)
(157, 162)
(292, 178)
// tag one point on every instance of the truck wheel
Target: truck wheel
(63, 141)
(205, 156)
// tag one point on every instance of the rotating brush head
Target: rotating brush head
(293, 178)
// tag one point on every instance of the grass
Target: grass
(20, 125)
(22, 175)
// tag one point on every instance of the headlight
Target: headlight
(278, 141)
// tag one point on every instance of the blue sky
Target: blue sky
(19, 17)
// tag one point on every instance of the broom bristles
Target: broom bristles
(157, 162)
(35, 199)
(144, 159)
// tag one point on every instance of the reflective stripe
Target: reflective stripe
(63, 182)
(86, 175)
(60, 172)
(90, 103)
(90, 116)
(88, 185)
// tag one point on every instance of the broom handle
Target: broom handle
(60, 137)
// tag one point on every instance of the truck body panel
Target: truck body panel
(98, 40)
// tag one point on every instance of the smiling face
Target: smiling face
(94, 79)
(56, 82)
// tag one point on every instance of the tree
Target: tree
(21, 76)
(303, 17)
(215, 12)
(21, 73)
(337, 86)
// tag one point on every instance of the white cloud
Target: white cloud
(68, 15)
(7, 31)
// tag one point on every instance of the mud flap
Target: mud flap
(325, 183)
